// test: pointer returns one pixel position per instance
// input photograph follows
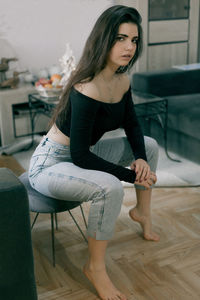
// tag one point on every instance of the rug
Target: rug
(176, 174)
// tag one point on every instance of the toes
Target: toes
(156, 237)
(152, 237)
(120, 297)
(116, 297)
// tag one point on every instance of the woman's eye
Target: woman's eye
(120, 38)
(135, 41)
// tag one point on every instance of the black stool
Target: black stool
(39, 203)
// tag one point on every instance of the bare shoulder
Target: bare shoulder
(125, 82)
(88, 89)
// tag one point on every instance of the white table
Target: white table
(8, 97)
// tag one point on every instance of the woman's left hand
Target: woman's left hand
(141, 169)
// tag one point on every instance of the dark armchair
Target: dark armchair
(17, 280)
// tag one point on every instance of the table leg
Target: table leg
(165, 134)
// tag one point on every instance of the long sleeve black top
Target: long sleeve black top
(88, 119)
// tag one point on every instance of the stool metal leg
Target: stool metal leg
(56, 220)
(83, 215)
(52, 237)
(78, 226)
(54, 215)
(34, 220)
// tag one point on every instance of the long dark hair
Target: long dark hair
(96, 50)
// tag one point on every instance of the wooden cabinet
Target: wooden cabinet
(164, 56)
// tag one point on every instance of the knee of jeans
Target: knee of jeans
(152, 150)
(114, 191)
(151, 146)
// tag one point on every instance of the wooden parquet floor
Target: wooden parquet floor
(167, 270)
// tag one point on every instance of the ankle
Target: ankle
(142, 211)
(95, 266)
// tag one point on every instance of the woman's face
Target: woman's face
(125, 46)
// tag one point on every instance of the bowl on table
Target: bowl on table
(49, 92)
(49, 87)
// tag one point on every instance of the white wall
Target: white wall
(36, 31)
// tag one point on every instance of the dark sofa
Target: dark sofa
(182, 89)
(17, 280)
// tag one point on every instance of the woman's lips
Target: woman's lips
(126, 57)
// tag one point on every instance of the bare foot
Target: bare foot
(103, 284)
(145, 222)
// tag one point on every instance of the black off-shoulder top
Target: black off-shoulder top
(88, 119)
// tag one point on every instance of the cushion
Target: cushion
(167, 82)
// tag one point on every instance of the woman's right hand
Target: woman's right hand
(147, 183)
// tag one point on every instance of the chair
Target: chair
(17, 278)
(39, 203)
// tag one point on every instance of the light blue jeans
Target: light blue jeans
(53, 174)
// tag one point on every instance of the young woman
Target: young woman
(73, 163)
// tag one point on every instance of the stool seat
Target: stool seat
(40, 203)
(44, 204)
